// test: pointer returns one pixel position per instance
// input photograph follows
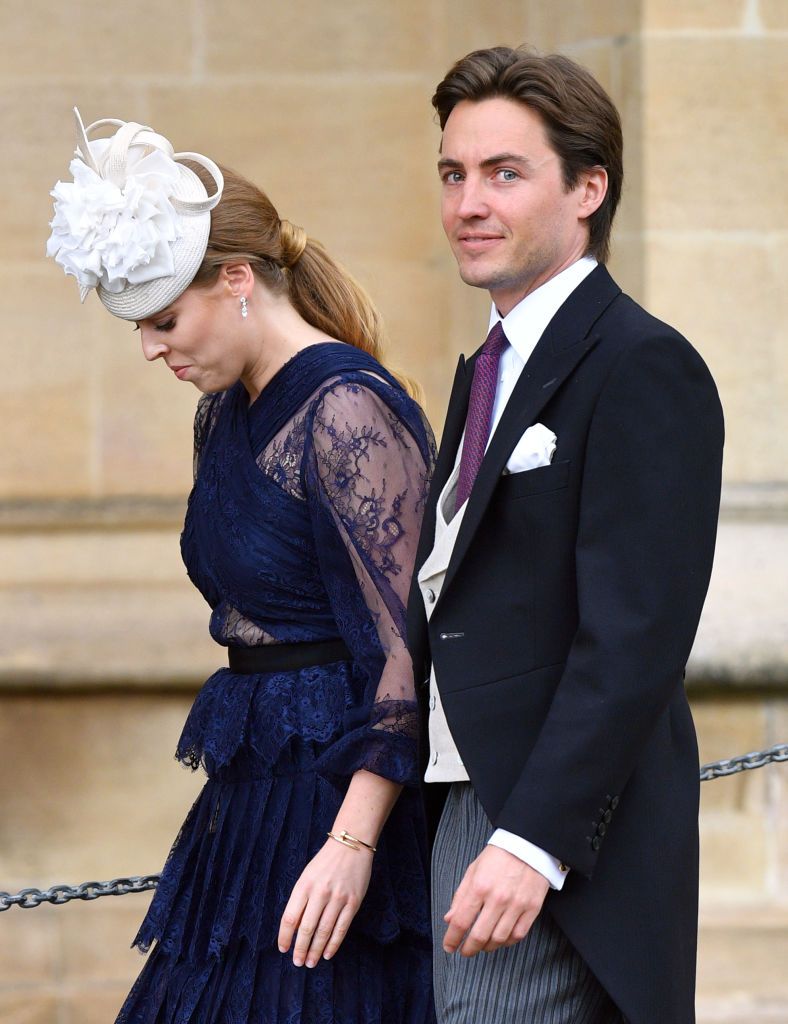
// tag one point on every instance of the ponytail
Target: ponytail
(245, 227)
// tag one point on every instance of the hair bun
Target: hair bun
(293, 239)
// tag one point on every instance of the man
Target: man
(562, 568)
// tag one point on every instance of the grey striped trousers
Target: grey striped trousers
(541, 980)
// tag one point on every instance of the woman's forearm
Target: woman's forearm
(366, 807)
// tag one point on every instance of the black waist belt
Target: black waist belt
(248, 661)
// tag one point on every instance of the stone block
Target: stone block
(741, 975)
(778, 783)
(773, 14)
(47, 391)
(667, 15)
(94, 1005)
(91, 791)
(95, 940)
(95, 636)
(728, 726)
(627, 262)
(29, 1007)
(710, 137)
(411, 297)
(724, 291)
(733, 826)
(29, 948)
(355, 37)
(144, 431)
(555, 26)
(90, 39)
(734, 856)
(742, 639)
(41, 147)
(352, 161)
(145, 558)
(466, 25)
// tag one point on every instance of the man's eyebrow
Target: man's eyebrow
(491, 161)
(506, 158)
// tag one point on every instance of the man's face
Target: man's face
(510, 221)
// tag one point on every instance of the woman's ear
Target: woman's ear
(238, 277)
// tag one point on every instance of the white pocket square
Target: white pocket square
(535, 448)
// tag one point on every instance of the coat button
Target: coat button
(614, 802)
(601, 828)
(596, 842)
(429, 593)
(607, 816)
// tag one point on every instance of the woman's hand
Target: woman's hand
(324, 901)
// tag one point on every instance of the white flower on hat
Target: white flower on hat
(115, 233)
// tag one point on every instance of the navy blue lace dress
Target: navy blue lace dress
(301, 526)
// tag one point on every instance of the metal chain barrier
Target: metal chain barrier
(744, 762)
(27, 899)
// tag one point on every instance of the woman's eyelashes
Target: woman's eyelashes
(166, 325)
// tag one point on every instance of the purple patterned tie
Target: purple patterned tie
(480, 407)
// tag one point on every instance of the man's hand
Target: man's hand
(496, 903)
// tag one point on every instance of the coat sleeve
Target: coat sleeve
(649, 505)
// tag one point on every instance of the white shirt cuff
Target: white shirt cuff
(540, 860)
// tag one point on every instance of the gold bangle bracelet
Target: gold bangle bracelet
(347, 839)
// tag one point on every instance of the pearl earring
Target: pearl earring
(244, 307)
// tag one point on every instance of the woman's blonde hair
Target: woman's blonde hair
(245, 227)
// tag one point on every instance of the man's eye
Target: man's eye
(507, 174)
(166, 326)
(452, 177)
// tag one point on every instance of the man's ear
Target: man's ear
(593, 189)
(238, 277)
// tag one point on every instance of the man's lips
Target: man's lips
(478, 241)
(179, 371)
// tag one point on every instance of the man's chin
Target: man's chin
(476, 277)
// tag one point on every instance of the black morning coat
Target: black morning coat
(565, 621)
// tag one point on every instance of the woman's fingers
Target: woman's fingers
(341, 927)
(291, 918)
(324, 931)
(307, 929)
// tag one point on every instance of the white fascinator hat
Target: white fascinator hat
(134, 222)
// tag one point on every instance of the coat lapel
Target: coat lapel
(567, 339)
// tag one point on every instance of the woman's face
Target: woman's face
(199, 337)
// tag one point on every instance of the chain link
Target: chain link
(744, 762)
(27, 899)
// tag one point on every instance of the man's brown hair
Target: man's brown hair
(582, 124)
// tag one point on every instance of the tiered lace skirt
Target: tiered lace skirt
(273, 747)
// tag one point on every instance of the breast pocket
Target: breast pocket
(535, 481)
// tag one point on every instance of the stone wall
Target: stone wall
(102, 639)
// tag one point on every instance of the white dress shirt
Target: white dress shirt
(523, 327)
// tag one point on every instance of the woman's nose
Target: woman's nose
(152, 347)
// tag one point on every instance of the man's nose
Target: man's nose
(473, 201)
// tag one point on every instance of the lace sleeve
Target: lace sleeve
(367, 463)
(204, 419)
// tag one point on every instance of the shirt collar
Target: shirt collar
(525, 324)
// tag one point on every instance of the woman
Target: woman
(296, 889)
